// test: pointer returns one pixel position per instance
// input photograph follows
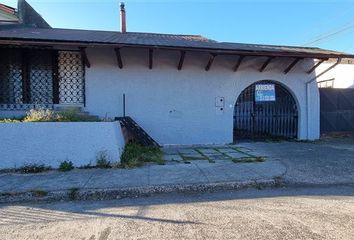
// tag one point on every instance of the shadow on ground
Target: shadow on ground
(78, 210)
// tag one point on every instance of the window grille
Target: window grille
(71, 78)
(33, 78)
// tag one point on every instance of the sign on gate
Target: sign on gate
(265, 92)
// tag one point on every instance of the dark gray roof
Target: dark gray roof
(192, 42)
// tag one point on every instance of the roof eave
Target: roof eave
(219, 51)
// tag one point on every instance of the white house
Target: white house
(341, 76)
(182, 89)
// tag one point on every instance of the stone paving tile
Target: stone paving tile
(172, 158)
(207, 151)
(237, 155)
(227, 150)
(187, 151)
(194, 158)
(217, 156)
(169, 151)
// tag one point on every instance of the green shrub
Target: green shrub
(39, 193)
(66, 166)
(34, 168)
(47, 115)
(6, 120)
(41, 115)
(136, 155)
(102, 160)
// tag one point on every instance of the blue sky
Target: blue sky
(326, 24)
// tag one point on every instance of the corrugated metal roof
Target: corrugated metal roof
(153, 39)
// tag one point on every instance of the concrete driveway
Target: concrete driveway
(329, 161)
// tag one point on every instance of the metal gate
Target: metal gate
(337, 109)
(277, 118)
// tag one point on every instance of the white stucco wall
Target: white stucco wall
(178, 107)
(343, 74)
(50, 143)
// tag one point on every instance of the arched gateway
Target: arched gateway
(265, 109)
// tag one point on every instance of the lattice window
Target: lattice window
(40, 76)
(10, 76)
(32, 78)
(71, 78)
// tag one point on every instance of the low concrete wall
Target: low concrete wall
(50, 143)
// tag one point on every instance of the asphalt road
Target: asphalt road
(325, 212)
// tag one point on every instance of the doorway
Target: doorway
(264, 110)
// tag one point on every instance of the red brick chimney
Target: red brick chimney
(123, 25)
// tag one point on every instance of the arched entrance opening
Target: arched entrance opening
(265, 109)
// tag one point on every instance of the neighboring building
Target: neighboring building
(182, 89)
(7, 15)
(342, 75)
(24, 16)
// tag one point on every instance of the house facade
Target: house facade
(182, 89)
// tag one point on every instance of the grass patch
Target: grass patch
(66, 166)
(7, 120)
(39, 193)
(248, 159)
(9, 194)
(73, 193)
(201, 153)
(222, 153)
(33, 168)
(102, 160)
(191, 158)
(136, 155)
(259, 186)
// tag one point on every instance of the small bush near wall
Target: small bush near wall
(102, 160)
(6, 120)
(33, 168)
(47, 115)
(136, 155)
(66, 166)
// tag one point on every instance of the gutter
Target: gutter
(308, 92)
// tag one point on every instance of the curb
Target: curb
(131, 192)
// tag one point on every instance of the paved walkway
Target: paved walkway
(325, 162)
(329, 161)
(195, 172)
